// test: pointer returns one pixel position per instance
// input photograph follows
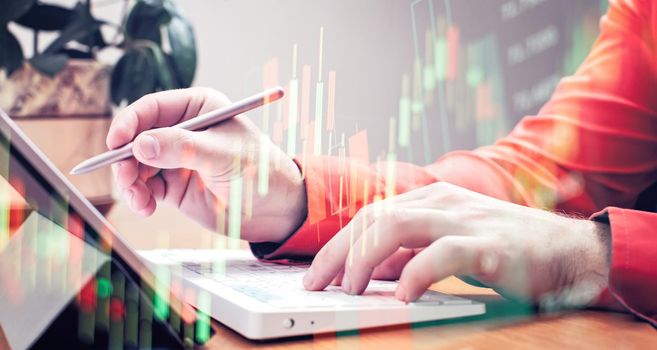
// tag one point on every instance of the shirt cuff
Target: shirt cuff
(305, 241)
(630, 268)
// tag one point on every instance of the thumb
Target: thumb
(172, 148)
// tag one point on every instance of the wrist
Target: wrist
(591, 278)
(597, 251)
(295, 202)
(282, 210)
(583, 266)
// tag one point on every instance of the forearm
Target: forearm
(336, 188)
(473, 171)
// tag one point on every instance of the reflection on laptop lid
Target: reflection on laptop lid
(68, 280)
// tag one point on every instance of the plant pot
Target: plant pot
(67, 117)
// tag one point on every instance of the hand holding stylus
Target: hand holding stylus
(192, 170)
(200, 122)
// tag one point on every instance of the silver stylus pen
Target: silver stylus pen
(201, 122)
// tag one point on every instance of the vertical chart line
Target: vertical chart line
(321, 53)
(444, 122)
(425, 131)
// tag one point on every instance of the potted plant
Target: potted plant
(62, 96)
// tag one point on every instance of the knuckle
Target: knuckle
(396, 218)
(201, 90)
(208, 157)
(323, 254)
(394, 223)
(205, 91)
(439, 185)
(366, 211)
(119, 132)
(147, 100)
(185, 143)
(444, 187)
(209, 97)
(366, 216)
(452, 245)
(448, 185)
(219, 96)
(145, 105)
(362, 213)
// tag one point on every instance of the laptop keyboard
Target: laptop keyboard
(281, 286)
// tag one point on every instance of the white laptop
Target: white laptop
(264, 300)
(92, 290)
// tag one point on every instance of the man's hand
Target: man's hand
(439, 230)
(193, 170)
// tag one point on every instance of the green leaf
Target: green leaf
(94, 39)
(118, 86)
(143, 78)
(183, 49)
(46, 17)
(133, 76)
(80, 27)
(164, 74)
(145, 20)
(49, 64)
(73, 53)
(11, 55)
(13, 9)
(171, 64)
(170, 6)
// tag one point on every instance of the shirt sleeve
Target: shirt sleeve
(590, 151)
(633, 275)
(336, 189)
(592, 146)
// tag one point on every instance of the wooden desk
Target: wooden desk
(505, 326)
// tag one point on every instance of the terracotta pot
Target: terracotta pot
(67, 117)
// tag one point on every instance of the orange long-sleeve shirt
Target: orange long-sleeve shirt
(591, 150)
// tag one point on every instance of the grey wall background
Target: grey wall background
(521, 46)
(370, 46)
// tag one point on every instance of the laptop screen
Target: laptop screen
(62, 283)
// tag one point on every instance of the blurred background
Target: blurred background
(376, 79)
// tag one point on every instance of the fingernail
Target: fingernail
(308, 279)
(400, 293)
(149, 147)
(128, 194)
(346, 284)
